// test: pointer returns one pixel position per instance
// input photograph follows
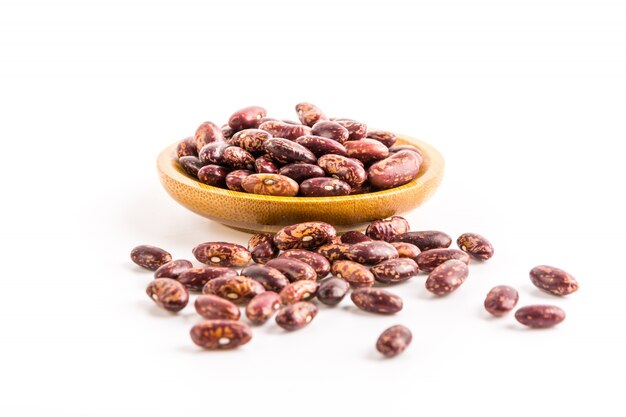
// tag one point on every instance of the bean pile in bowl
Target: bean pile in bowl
(317, 157)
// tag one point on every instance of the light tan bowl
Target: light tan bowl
(262, 213)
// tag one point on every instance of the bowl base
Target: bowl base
(273, 229)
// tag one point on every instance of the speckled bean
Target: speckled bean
(376, 300)
(307, 235)
(208, 132)
(396, 170)
(270, 184)
(270, 278)
(475, 245)
(293, 269)
(309, 114)
(287, 151)
(252, 140)
(331, 130)
(194, 279)
(191, 165)
(280, 129)
(315, 260)
(447, 277)
(394, 341)
(238, 158)
(395, 270)
(356, 130)
(334, 251)
(430, 259)
(261, 307)
(264, 165)
(237, 289)
(301, 171)
(331, 291)
(211, 307)
(227, 131)
(298, 291)
(384, 137)
(173, 269)
(354, 273)
(214, 175)
(426, 240)
(262, 248)
(345, 169)
(168, 294)
(366, 150)
(187, 147)
(324, 187)
(221, 334)
(213, 153)
(406, 250)
(387, 229)
(540, 316)
(553, 280)
(246, 118)
(371, 252)
(296, 316)
(150, 257)
(222, 254)
(320, 145)
(234, 179)
(354, 236)
(501, 299)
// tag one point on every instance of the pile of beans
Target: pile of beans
(286, 274)
(317, 157)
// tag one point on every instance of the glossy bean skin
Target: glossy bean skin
(477, 246)
(320, 145)
(264, 165)
(345, 169)
(208, 132)
(354, 236)
(194, 279)
(386, 138)
(354, 273)
(361, 189)
(447, 277)
(553, 280)
(270, 184)
(334, 251)
(287, 151)
(238, 158)
(214, 175)
(371, 252)
(366, 150)
(173, 269)
(187, 147)
(387, 229)
(213, 153)
(307, 235)
(331, 130)
(500, 300)
(396, 170)
(222, 254)
(324, 187)
(430, 259)
(331, 291)
(296, 316)
(298, 291)
(246, 118)
(221, 334)
(395, 270)
(301, 171)
(265, 119)
(309, 114)
(279, 129)
(251, 140)
(394, 341)
(376, 300)
(213, 307)
(356, 130)
(320, 264)
(234, 178)
(270, 278)
(406, 250)
(262, 248)
(191, 165)
(261, 307)
(426, 240)
(540, 316)
(227, 131)
(293, 269)
(168, 293)
(150, 257)
(398, 148)
(237, 289)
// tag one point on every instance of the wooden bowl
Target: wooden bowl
(262, 213)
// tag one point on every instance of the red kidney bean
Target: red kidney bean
(356, 130)
(320, 145)
(173, 269)
(386, 138)
(287, 151)
(371, 252)
(324, 187)
(553, 280)
(187, 147)
(234, 179)
(309, 114)
(540, 316)
(394, 341)
(301, 171)
(271, 278)
(150, 257)
(366, 150)
(447, 277)
(236, 289)
(289, 131)
(214, 175)
(262, 248)
(194, 279)
(222, 254)
(345, 169)
(354, 236)
(252, 140)
(406, 250)
(191, 165)
(475, 245)
(270, 184)
(387, 229)
(307, 235)
(246, 118)
(168, 294)
(395, 270)
(356, 274)
(213, 153)
(501, 299)
(261, 307)
(425, 240)
(237, 158)
(221, 334)
(208, 132)
(265, 165)
(376, 300)
(296, 316)
(331, 130)
(298, 291)
(315, 260)
(331, 291)
(398, 169)
(293, 269)
(213, 307)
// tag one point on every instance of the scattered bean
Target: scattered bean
(356, 274)
(406, 250)
(261, 247)
(395, 270)
(332, 290)
(222, 254)
(270, 278)
(221, 334)
(553, 280)
(376, 300)
(475, 245)
(168, 294)
(296, 316)
(426, 240)
(213, 307)
(387, 229)
(194, 279)
(149, 257)
(371, 252)
(540, 316)
(237, 289)
(315, 260)
(501, 299)
(298, 291)
(394, 341)
(293, 269)
(172, 269)
(261, 307)
(447, 277)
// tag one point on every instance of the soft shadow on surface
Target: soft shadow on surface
(536, 292)
(483, 314)
(352, 309)
(156, 311)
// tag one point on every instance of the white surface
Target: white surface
(525, 99)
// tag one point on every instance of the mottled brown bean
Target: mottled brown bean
(333, 251)
(208, 132)
(366, 150)
(447, 277)
(301, 171)
(173, 269)
(553, 280)
(287, 151)
(293, 269)
(309, 114)
(331, 291)
(168, 294)
(191, 165)
(406, 250)
(307, 235)
(387, 229)
(187, 147)
(264, 165)
(386, 138)
(211, 307)
(320, 145)
(324, 187)
(214, 175)
(376, 300)
(227, 131)
(356, 130)
(246, 118)
(430, 259)
(194, 279)
(252, 140)
(270, 278)
(354, 236)
(394, 341)
(270, 184)
(361, 189)
(213, 153)
(475, 245)
(238, 158)
(261, 307)
(149, 257)
(234, 179)
(237, 289)
(501, 299)
(298, 291)
(331, 130)
(396, 170)
(280, 129)
(265, 119)
(345, 169)
(371, 252)
(315, 260)
(354, 273)
(540, 316)
(426, 240)
(262, 248)
(222, 254)
(395, 270)
(296, 316)
(221, 334)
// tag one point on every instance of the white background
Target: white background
(525, 99)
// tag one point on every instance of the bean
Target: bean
(406, 250)
(331, 291)
(213, 307)
(309, 114)
(213, 153)
(315, 260)
(356, 274)
(237, 289)
(252, 140)
(286, 151)
(262, 248)
(270, 278)
(366, 150)
(361, 189)
(396, 170)
(475, 245)
(501, 299)
(395, 270)
(447, 277)
(376, 300)
(324, 187)
(214, 175)
(354, 236)
(280, 129)
(172, 269)
(307, 235)
(386, 138)
(168, 294)
(191, 165)
(301, 171)
(356, 130)
(265, 119)
(553, 280)
(194, 279)
(345, 169)
(246, 118)
(331, 130)
(227, 131)
(238, 158)
(234, 179)
(293, 269)
(208, 132)
(187, 147)
(222, 254)
(265, 165)
(387, 229)
(261, 307)
(394, 341)
(149, 257)
(220, 334)
(371, 252)
(298, 291)
(426, 240)
(320, 145)
(270, 184)
(398, 148)
(430, 259)
(540, 316)
(333, 251)
(296, 316)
